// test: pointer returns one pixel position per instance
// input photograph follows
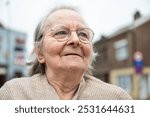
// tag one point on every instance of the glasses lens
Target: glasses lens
(85, 34)
(60, 34)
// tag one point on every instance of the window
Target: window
(125, 82)
(19, 59)
(144, 86)
(121, 49)
(20, 41)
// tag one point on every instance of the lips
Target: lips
(73, 54)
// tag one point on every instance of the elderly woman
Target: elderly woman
(64, 53)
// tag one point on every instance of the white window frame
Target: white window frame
(121, 50)
(125, 82)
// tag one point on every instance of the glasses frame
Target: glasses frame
(50, 33)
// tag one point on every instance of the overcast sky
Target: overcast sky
(103, 16)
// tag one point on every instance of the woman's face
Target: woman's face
(71, 54)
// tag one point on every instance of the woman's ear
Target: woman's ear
(39, 53)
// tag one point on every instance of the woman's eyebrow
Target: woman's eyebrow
(82, 26)
(60, 26)
(66, 26)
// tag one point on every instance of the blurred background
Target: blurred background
(122, 38)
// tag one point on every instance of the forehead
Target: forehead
(65, 17)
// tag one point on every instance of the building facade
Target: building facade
(12, 54)
(124, 59)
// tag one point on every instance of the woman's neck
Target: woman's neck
(66, 86)
(65, 93)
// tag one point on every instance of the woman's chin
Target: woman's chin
(75, 66)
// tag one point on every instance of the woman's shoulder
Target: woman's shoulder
(103, 90)
(21, 81)
(91, 80)
(15, 87)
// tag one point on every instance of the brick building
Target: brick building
(124, 58)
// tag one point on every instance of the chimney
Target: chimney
(137, 15)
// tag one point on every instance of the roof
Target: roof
(132, 26)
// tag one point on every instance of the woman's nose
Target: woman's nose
(74, 39)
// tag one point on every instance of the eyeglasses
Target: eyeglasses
(85, 35)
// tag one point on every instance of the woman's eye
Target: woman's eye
(61, 33)
(82, 34)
